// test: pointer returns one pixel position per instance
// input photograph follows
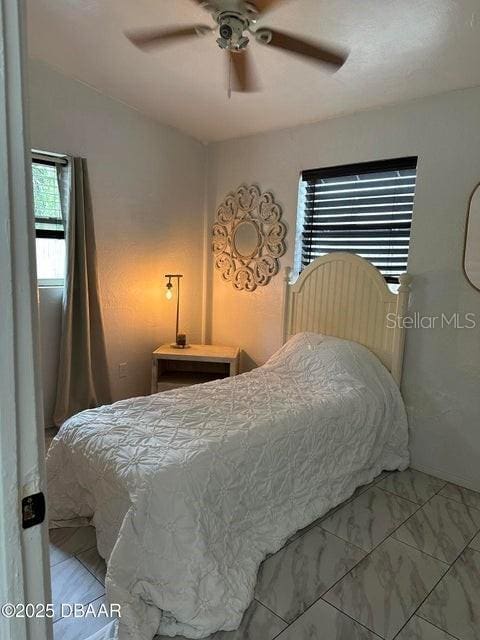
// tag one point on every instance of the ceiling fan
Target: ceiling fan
(234, 19)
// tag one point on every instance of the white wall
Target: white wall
(442, 371)
(147, 185)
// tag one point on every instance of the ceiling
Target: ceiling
(399, 50)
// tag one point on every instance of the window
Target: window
(363, 208)
(49, 225)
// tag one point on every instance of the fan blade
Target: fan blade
(212, 6)
(266, 5)
(244, 78)
(149, 38)
(302, 47)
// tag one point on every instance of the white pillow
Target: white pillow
(297, 348)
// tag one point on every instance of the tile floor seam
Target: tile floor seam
(364, 488)
(361, 624)
(333, 510)
(449, 499)
(407, 544)
(85, 550)
(294, 537)
(445, 482)
(463, 551)
(315, 523)
(290, 624)
(73, 553)
(255, 599)
(70, 557)
(396, 495)
(471, 548)
(436, 492)
(450, 566)
(465, 504)
(321, 597)
(89, 571)
(381, 541)
(422, 602)
(437, 627)
(384, 540)
(335, 535)
(467, 546)
(367, 553)
(86, 604)
(55, 564)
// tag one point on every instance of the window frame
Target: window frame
(339, 171)
(52, 160)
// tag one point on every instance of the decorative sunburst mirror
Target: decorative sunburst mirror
(248, 238)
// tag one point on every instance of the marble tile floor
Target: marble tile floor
(399, 560)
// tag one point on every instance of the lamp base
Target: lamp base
(174, 345)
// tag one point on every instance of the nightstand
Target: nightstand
(172, 368)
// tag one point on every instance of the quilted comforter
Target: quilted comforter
(189, 490)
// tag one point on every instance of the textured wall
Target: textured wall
(147, 187)
(442, 372)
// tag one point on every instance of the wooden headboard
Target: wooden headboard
(344, 296)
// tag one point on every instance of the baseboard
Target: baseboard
(448, 477)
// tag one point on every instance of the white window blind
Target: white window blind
(364, 209)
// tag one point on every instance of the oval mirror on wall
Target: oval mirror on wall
(246, 239)
(471, 263)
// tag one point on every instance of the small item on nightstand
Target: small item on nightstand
(181, 341)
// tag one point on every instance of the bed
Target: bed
(189, 490)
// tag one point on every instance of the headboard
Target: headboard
(345, 296)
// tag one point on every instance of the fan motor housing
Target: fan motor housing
(231, 28)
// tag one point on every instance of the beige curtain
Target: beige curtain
(83, 374)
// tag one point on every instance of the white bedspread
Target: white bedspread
(189, 490)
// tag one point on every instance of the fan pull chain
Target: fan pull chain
(229, 91)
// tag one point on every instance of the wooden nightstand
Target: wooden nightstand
(172, 368)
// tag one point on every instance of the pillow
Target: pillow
(297, 348)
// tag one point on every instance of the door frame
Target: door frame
(24, 560)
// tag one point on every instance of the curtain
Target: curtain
(83, 374)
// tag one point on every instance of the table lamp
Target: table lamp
(180, 338)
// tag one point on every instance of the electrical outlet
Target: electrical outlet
(123, 369)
